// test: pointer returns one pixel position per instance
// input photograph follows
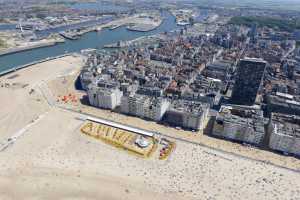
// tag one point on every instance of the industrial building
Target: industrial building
(144, 106)
(104, 95)
(249, 77)
(284, 131)
(187, 114)
(242, 124)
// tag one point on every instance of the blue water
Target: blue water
(7, 26)
(89, 40)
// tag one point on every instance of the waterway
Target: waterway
(7, 26)
(89, 40)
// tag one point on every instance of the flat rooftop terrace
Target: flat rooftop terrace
(122, 126)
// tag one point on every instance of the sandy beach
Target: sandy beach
(53, 160)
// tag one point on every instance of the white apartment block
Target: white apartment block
(144, 106)
(108, 98)
(240, 124)
(188, 114)
(284, 133)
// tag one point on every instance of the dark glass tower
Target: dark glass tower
(249, 77)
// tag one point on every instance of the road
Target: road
(216, 151)
(10, 141)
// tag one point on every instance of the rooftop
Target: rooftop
(242, 115)
(122, 126)
(286, 124)
(189, 106)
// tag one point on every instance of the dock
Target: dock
(76, 34)
(143, 27)
(69, 35)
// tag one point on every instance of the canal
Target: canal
(89, 40)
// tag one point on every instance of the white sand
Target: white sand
(65, 85)
(61, 162)
(18, 107)
(52, 160)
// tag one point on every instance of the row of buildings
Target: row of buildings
(242, 124)
(180, 113)
(246, 124)
(160, 82)
(264, 104)
(178, 80)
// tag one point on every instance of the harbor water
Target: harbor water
(89, 40)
